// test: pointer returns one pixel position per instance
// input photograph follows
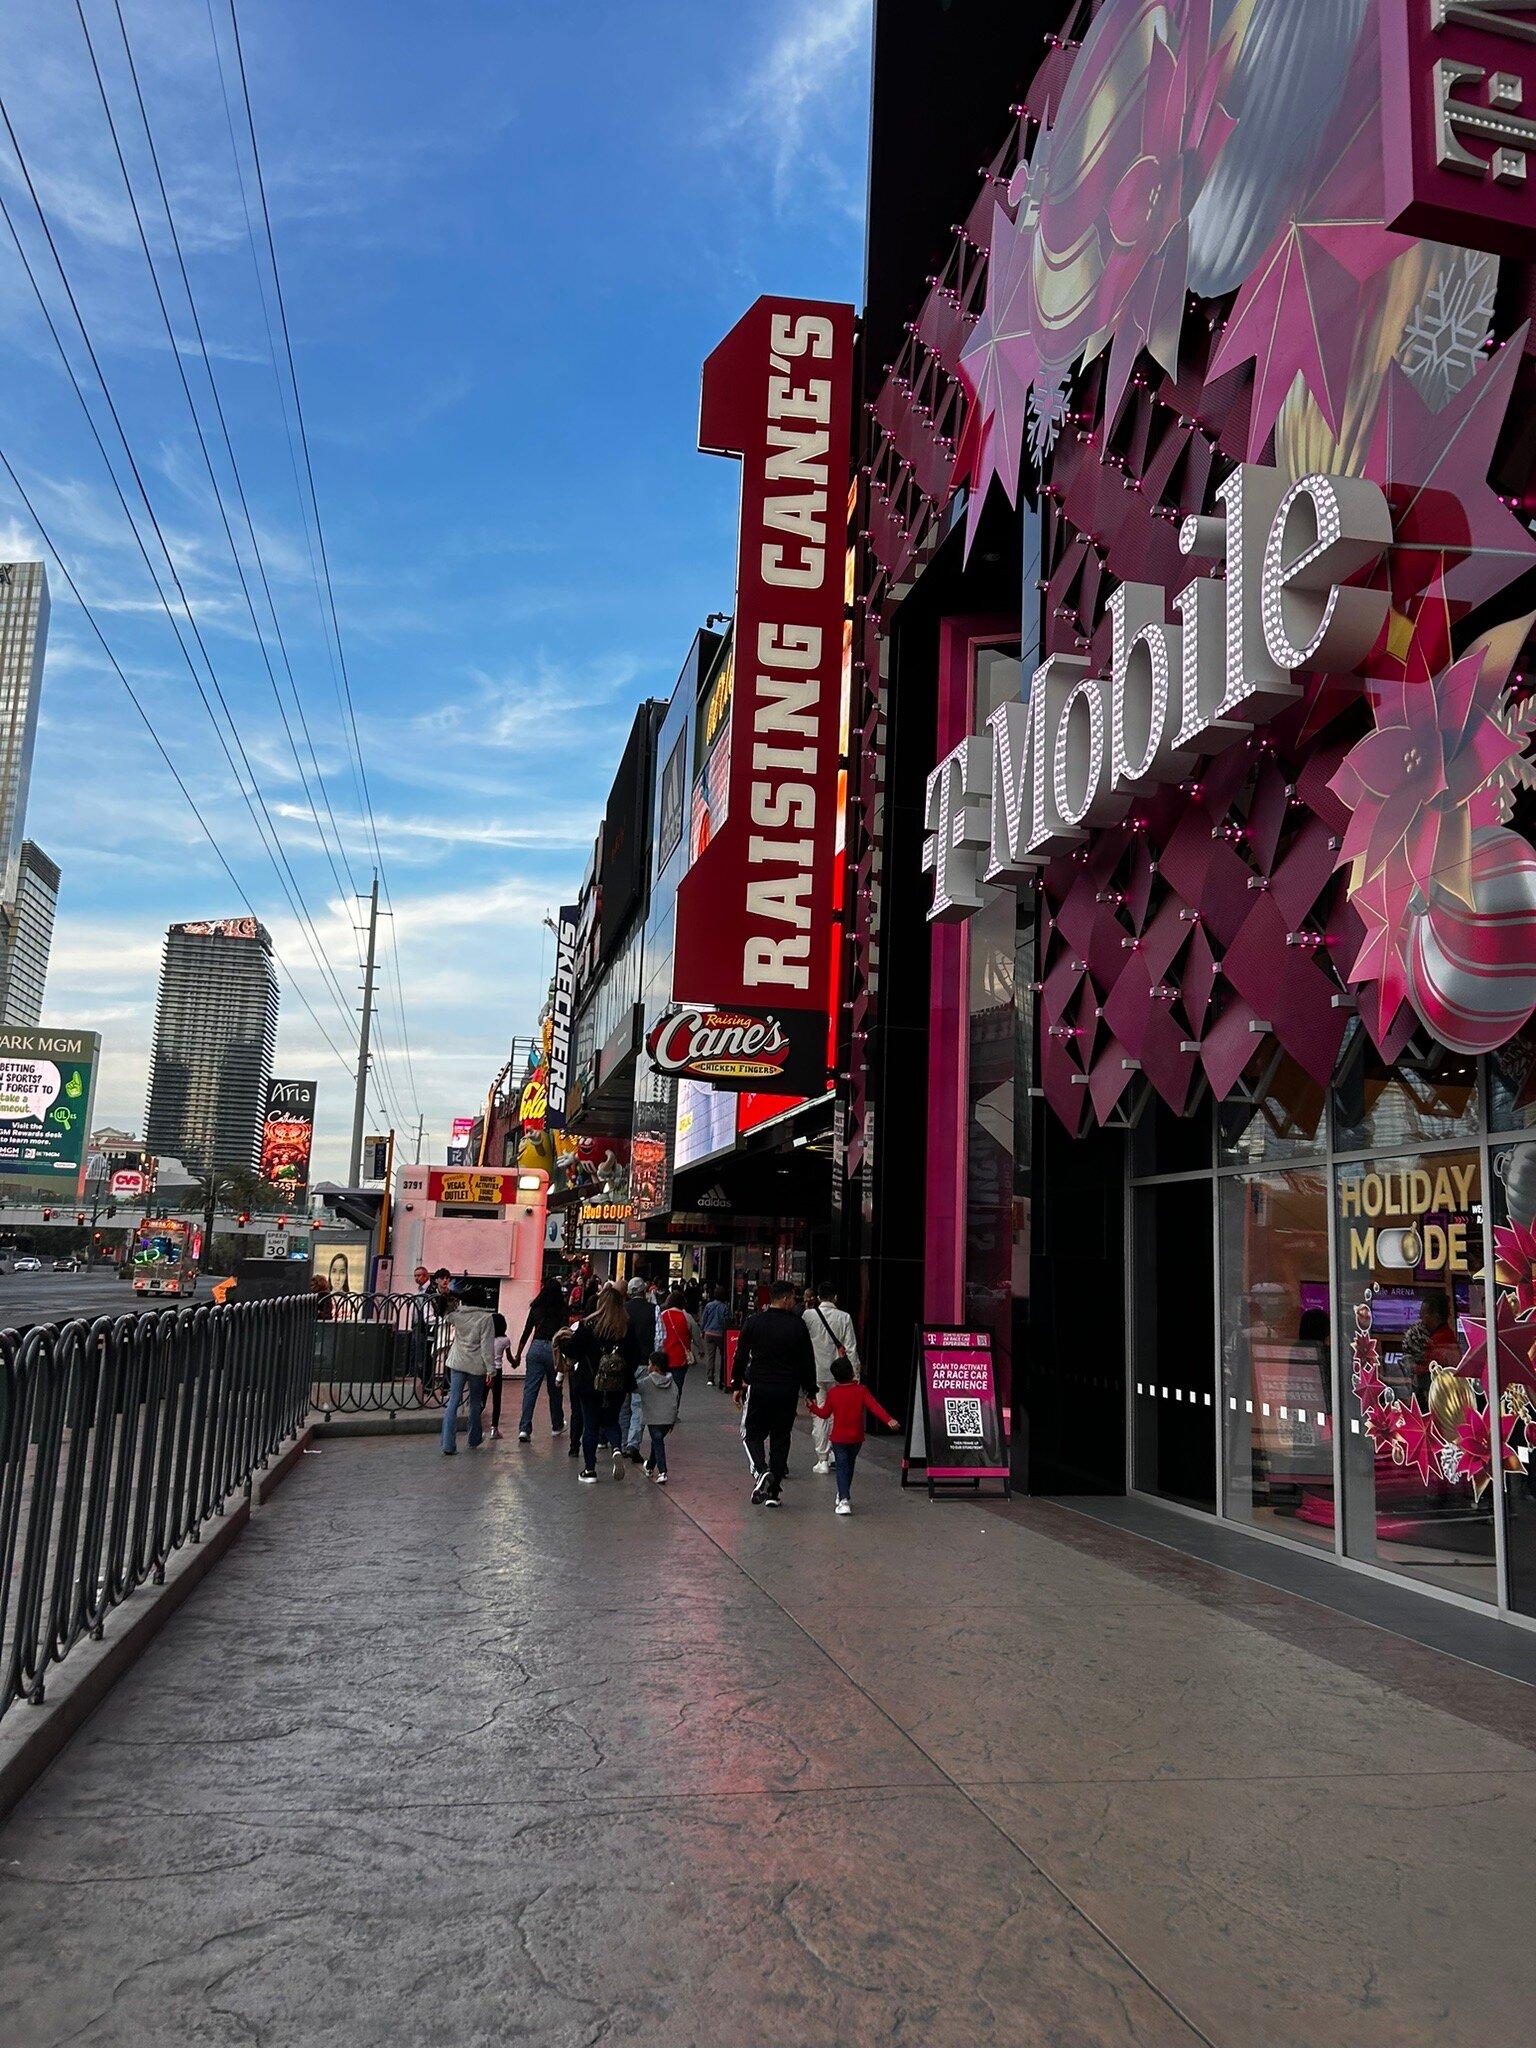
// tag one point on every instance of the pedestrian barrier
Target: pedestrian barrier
(119, 1438)
(378, 1353)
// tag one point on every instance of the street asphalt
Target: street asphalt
(49, 1297)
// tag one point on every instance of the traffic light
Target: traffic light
(243, 1218)
(47, 1215)
(79, 1215)
(282, 1222)
(314, 1223)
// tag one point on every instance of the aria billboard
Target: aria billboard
(1270, 767)
(47, 1082)
(288, 1135)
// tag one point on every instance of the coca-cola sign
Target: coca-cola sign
(738, 1048)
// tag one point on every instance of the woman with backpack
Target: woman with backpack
(602, 1358)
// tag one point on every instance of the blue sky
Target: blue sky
(509, 233)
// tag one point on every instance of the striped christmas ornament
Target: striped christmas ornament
(1472, 971)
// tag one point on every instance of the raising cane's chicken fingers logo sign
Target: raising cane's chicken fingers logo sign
(698, 1043)
(755, 911)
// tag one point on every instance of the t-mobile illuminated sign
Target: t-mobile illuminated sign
(1074, 754)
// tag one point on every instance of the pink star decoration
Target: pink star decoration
(1417, 787)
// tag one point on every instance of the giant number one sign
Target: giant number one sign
(755, 918)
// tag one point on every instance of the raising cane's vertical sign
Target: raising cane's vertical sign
(753, 954)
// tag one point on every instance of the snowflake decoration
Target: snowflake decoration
(1443, 340)
(1519, 772)
(1047, 416)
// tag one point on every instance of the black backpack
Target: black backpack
(612, 1374)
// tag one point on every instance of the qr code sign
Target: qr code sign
(962, 1420)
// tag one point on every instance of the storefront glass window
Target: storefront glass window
(1428, 1093)
(1276, 1392)
(1278, 1116)
(1414, 1393)
(1165, 1143)
(1512, 1195)
(1174, 1325)
(1512, 1084)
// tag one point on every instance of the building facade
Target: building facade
(26, 933)
(215, 1033)
(23, 644)
(29, 878)
(1193, 966)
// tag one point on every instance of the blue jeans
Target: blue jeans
(844, 1458)
(541, 1369)
(660, 1431)
(599, 1424)
(457, 1383)
(631, 1423)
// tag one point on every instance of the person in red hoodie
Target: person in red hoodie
(846, 1403)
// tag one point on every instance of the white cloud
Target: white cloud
(546, 706)
(802, 75)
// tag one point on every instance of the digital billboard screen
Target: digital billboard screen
(288, 1134)
(47, 1078)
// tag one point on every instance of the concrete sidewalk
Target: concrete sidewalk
(459, 1752)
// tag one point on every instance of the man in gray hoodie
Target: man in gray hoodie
(471, 1355)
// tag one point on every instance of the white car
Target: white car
(27, 1264)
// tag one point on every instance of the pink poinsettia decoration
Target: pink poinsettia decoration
(1474, 1448)
(1513, 1337)
(1514, 1249)
(1418, 785)
(1184, 127)
(1419, 1441)
(1092, 252)
(1369, 1384)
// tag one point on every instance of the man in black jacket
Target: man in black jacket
(775, 1365)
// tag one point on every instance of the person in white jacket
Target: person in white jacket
(832, 1337)
(471, 1356)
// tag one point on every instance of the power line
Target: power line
(250, 525)
(308, 517)
(293, 893)
(347, 1065)
(298, 404)
(106, 106)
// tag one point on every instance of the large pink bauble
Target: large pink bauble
(1472, 972)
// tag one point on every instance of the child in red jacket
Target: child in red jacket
(845, 1401)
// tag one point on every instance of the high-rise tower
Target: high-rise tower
(29, 880)
(215, 1030)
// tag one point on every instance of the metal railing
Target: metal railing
(119, 1438)
(377, 1354)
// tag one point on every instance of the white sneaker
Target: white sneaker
(822, 1465)
(618, 1464)
(844, 1507)
(661, 1478)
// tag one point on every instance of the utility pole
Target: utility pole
(360, 1099)
(421, 1128)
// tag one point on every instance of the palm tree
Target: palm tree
(213, 1188)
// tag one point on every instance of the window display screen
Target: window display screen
(1413, 1369)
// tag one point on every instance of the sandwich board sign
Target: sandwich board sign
(955, 1427)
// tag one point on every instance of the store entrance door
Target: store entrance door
(1173, 1321)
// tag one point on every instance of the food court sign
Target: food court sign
(47, 1079)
